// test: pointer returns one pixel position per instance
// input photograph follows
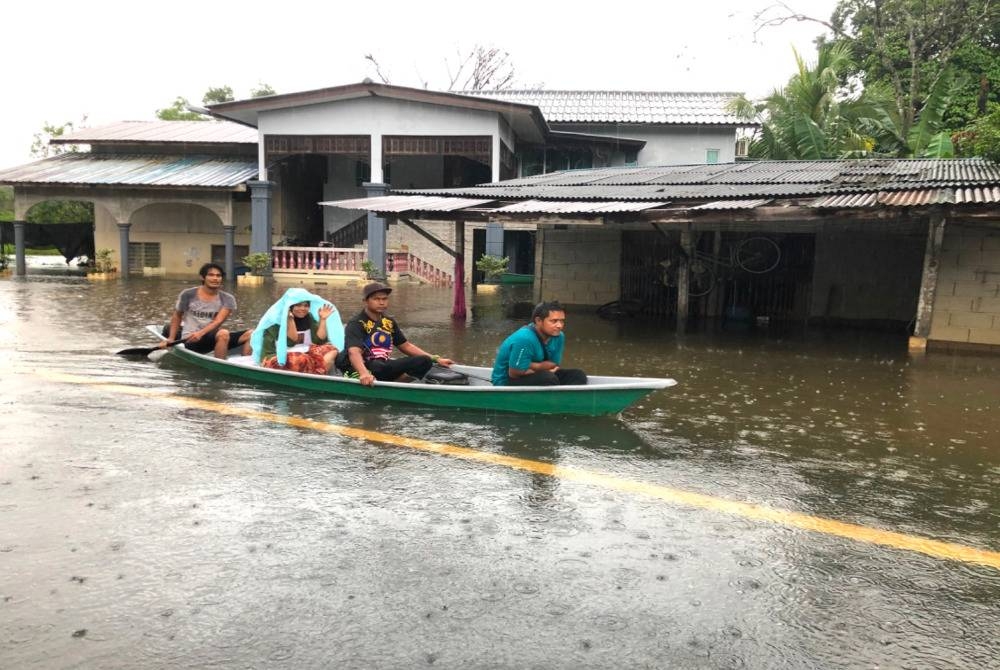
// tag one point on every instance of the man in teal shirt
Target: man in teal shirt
(531, 355)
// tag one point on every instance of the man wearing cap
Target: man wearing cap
(369, 338)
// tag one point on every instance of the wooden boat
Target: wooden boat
(600, 396)
(514, 278)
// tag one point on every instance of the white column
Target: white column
(495, 158)
(376, 159)
(261, 158)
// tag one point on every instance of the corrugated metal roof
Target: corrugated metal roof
(589, 207)
(188, 132)
(734, 204)
(407, 203)
(623, 106)
(913, 198)
(134, 170)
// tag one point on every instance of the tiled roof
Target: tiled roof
(188, 132)
(623, 106)
(134, 170)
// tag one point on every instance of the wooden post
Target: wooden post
(928, 283)
(683, 278)
(458, 307)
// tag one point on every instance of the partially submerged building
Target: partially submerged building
(169, 195)
(907, 244)
(605, 197)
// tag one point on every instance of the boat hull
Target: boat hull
(604, 395)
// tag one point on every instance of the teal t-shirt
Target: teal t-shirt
(522, 348)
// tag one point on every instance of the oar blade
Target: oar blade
(136, 352)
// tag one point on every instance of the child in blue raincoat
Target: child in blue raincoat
(299, 318)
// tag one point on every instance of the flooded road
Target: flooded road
(817, 500)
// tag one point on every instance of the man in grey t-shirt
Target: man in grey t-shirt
(199, 314)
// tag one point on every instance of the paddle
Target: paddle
(144, 351)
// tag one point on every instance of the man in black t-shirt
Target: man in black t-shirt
(369, 337)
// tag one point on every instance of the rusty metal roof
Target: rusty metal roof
(407, 203)
(658, 107)
(134, 170)
(733, 204)
(168, 132)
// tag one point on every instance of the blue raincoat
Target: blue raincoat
(278, 314)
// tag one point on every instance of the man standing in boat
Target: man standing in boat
(199, 314)
(369, 338)
(531, 355)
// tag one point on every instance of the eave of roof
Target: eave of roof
(186, 171)
(701, 190)
(247, 111)
(161, 132)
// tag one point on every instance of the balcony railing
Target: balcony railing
(333, 261)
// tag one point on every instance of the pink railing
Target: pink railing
(317, 259)
(331, 260)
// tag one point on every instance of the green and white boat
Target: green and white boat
(600, 396)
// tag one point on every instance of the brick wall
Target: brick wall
(578, 266)
(967, 301)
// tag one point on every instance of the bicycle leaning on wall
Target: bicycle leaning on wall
(755, 255)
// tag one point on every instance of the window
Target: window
(631, 157)
(712, 156)
(143, 255)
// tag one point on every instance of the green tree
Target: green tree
(983, 136)
(812, 117)
(6, 203)
(907, 46)
(261, 90)
(61, 211)
(178, 111)
(216, 95)
(40, 146)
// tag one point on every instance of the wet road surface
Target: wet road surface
(153, 515)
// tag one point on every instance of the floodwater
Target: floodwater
(151, 531)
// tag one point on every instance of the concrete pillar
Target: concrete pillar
(123, 229)
(260, 216)
(928, 284)
(683, 281)
(376, 229)
(494, 239)
(20, 267)
(229, 234)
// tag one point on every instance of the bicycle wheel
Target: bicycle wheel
(758, 255)
(701, 279)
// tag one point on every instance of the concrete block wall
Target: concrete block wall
(578, 266)
(967, 301)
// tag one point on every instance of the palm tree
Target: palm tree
(814, 116)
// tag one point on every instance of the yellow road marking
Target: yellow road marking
(937, 549)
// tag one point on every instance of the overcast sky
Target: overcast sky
(110, 60)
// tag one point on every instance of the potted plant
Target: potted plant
(371, 272)
(492, 267)
(259, 264)
(104, 264)
(4, 263)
